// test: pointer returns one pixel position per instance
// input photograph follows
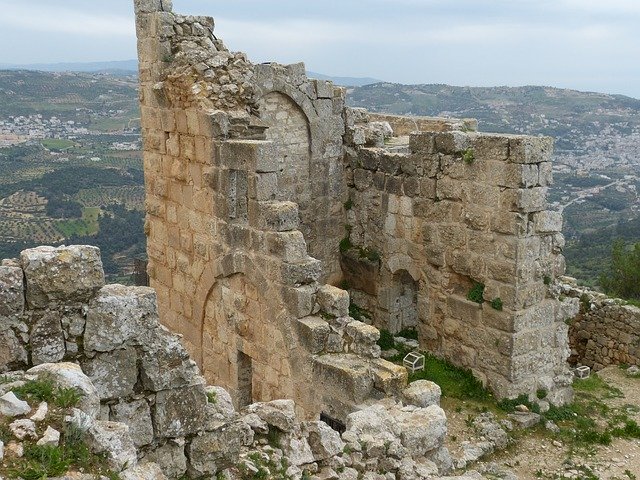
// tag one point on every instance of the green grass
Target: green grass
(476, 293)
(455, 382)
(88, 225)
(386, 341)
(57, 144)
(45, 390)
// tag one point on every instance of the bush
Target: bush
(476, 294)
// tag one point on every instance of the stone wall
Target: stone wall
(441, 212)
(145, 406)
(605, 332)
(257, 177)
(243, 182)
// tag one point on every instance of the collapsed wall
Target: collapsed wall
(144, 402)
(263, 190)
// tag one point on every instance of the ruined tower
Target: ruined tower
(264, 190)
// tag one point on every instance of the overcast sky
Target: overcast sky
(582, 44)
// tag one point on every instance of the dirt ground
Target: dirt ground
(540, 454)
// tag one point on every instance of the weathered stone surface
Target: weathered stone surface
(63, 274)
(147, 471)
(41, 412)
(333, 301)
(422, 393)
(11, 350)
(47, 339)
(50, 437)
(23, 429)
(114, 441)
(314, 332)
(137, 416)
(180, 412)
(218, 450)
(324, 441)
(12, 406)
(118, 316)
(114, 374)
(278, 413)
(11, 291)
(221, 409)
(170, 458)
(166, 364)
(70, 375)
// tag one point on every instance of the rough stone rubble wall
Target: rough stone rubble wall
(145, 401)
(605, 332)
(445, 211)
(243, 183)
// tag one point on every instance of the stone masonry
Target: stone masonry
(147, 409)
(264, 192)
(605, 332)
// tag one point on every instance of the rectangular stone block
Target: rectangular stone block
(180, 412)
(547, 222)
(526, 149)
(539, 316)
(251, 155)
(466, 310)
(266, 186)
(333, 300)
(278, 216)
(11, 291)
(302, 273)
(314, 332)
(525, 200)
(288, 246)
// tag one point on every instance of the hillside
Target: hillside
(70, 154)
(596, 161)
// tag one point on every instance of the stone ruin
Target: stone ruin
(145, 406)
(266, 193)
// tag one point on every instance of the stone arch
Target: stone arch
(399, 302)
(244, 347)
(289, 130)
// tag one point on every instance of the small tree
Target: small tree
(623, 277)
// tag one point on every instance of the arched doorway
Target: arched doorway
(400, 304)
(289, 131)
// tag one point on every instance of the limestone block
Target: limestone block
(11, 291)
(147, 471)
(266, 186)
(120, 315)
(221, 409)
(113, 440)
(70, 375)
(166, 364)
(363, 339)
(63, 274)
(422, 430)
(296, 449)
(525, 149)
(290, 246)
(278, 216)
(23, 428)
(333, 300)
(490, 147)
(170, 458)
(388, 377)
(47, 339)
(114, 374)
(12, 406)
(11, 350)
(547, 222)
(278, 413)
(180, 412)
(302, 273)
(422, 393)
(525, 200)
(251, 155)
(324, 441)
(451, 143)
(347, 374)
(214, 451)
(50, 437)
(300, 300)
(137, 416)
(313, 332)
(362, 179)
(324, 88)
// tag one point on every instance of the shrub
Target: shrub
(386, 341)
(468, 156)
(497, 304)
(476, 294)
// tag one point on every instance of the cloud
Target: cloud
(52, 19)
